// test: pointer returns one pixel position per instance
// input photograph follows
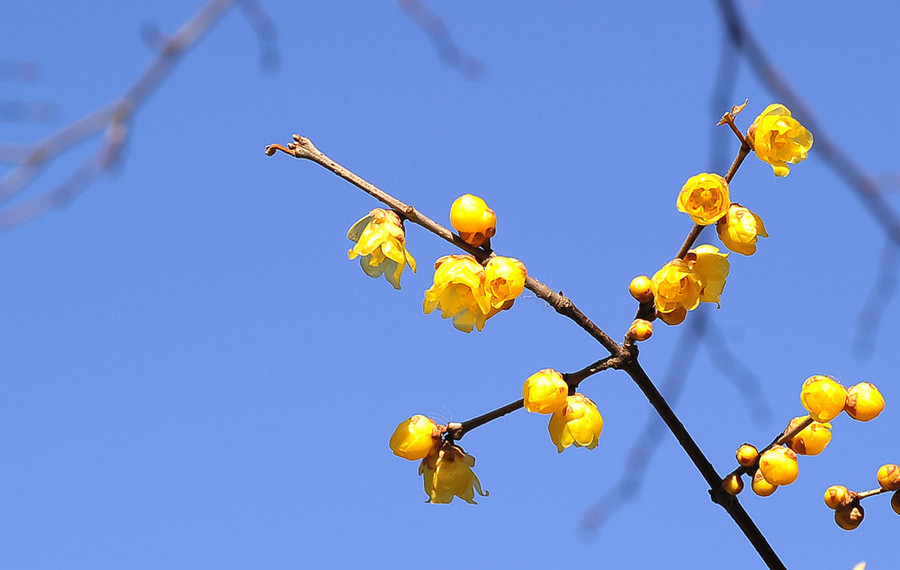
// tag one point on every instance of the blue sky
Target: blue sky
(197, 377)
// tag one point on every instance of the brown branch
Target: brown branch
(303, 148)
(456, 430)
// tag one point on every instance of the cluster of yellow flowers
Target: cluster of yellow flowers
(824, 399)
(848, 512)
(574, 420)
(446, 468)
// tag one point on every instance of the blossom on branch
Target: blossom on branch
(415, 438)
(458, 291)
(471, 217)
(704, 198)
(578, 423)
(545, 392)
(777, 138)
(381, 245)
(448, 474)
(504, 281)
(739, 228)
(676, 286)
(712, 268)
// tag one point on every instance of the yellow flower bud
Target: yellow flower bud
(578, 423)
(415, 438)
(704, 198)
(889, 477)
(849, 519)
(381, 245)
(823, 398)
(641, 289)
(448, 474)
(864, 402)
(676, 286)
(733, 484)
(895, 502)
(545, 392)
(778, 466)
(812, 439)
(504, 281)
(673, 318)
(640, 330)
(458, 291)
(471, 217)
(762, 487)
(712, 268)
(746, 455)
(779, 139)
(838, 497)
(739, 229)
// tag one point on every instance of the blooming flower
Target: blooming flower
(471, 217)
(380, 245)
(823, 397)
(779, 139)
(448, 474)
(578, 423)
(545, 392)
(712, 268)
(504, 281)
(415, 438)
(676, 286)
(739, 228)
(704, 198)
(458, 291)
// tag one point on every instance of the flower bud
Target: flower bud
(733, 484)
(674, 317)
(545, 392)
(849, 519)
(415, 438)
(889, 477)
(838, 497)
(823, 398)
(746, 455)
(864, 402)
(812, 439)
(778, 466)
(577, 423)
(640, 330)
(641, 289)
(471, 217)
(895, 502)
(762, 487)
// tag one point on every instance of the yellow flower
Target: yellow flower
(812, 439)
(415, 438)
(578, 423)
(545, 392)
(471, 217)
(739, 228)
(712, 268)
(380, 243)
(823, 398)
(779, 139)
(458, 291)
(448, 474)
(779, 466)
(864, 402)
(704, 198)
(504, 281)
(676, 286)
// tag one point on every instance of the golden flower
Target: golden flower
(889, 477)
(739, 228)
(676, 286)
(380, 243)
(779, 139)
(577, 423)
(778, 466)
(864, 402)
(712, 268)
(823, 397)
(812, 439)
(471, 217)
(746, 455)
(545, 392)
(704, 198)
(504, 281)
(458, 291)
(640, 330)
(838, 497)
(448, 474)
(762, 487)
(415, 438)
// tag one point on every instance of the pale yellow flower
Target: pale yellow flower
(704, 198)
(739, 229)
(448, 474)
(779, 139)
(712, 268)
(578, 423)
(676, 286)
(458, 291)
(545, 392)
(415, 438)
(381, 245)
(504, 280)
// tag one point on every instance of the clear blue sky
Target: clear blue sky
(197, 377)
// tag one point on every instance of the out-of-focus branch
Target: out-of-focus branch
(434, 26)
(112, 123)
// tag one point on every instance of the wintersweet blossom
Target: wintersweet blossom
(504, 280)
(823, 397)
(704, 198)
(676, 286)
(415, 438)
(448, 474)
(381, 245)
(779, 139)
(712, 268)
(471, 217)
(739, 228)
(545, 392)
(458, 291)
(578, 423)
